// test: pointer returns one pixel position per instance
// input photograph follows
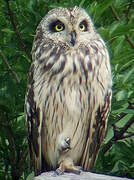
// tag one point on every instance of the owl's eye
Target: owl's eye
(59, 27)
(83, 26)
(56, 26)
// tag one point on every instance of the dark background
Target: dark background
(114, 20)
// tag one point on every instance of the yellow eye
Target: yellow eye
(82, 27)
(59, 27)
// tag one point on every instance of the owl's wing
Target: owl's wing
(96, 133)
(33, 116)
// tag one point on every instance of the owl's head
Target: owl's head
(67, 26)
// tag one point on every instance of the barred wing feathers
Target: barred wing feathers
(34, 123)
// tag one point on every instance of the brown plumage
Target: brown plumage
(69, 92)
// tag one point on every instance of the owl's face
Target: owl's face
(68, 26)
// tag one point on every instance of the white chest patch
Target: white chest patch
(72, 101)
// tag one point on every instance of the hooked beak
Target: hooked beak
(73, 38)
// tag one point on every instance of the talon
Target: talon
(59, 171)
(75, 169)
(66, 144)
(67, 140)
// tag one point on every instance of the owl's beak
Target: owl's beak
(73, 38)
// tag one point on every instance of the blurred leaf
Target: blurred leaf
(118, 29)
(30, 176)
(128, 75)
(102, 7)
(128, 111)
(31, 5)
(109, 135)
(121, 95)
(119, 45)
(82, 3)
(7, 30)
(123, 120)
(126, 65)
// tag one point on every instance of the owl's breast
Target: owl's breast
(65, 110)
(72, 100)
(70, 91)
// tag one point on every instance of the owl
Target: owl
(69, 92)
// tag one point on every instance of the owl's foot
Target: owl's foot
(74, 169)
(58, 172)
(67, 165)
(65, 144)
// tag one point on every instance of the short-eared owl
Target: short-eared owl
(69, 92)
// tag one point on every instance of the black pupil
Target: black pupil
(59, 26)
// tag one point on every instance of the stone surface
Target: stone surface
(83, 176)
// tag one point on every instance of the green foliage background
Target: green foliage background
(114, 19)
